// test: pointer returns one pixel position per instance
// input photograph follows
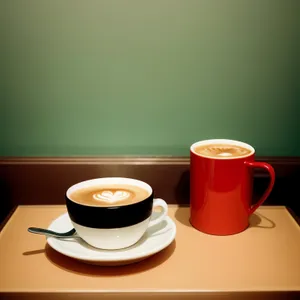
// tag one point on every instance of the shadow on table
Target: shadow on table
(255, 220)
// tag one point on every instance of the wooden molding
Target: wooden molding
(44, 180)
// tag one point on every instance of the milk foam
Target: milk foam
(112, 196)
(225, 154)
(221, 151)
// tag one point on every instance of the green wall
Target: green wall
(148, 77)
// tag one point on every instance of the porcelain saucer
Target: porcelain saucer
(155, 239)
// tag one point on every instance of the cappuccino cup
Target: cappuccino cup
(113, 212)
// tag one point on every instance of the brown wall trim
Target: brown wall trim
(44, 180)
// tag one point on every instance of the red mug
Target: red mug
(221, 178)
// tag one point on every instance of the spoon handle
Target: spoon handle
(51, 233)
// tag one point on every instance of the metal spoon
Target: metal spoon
(51, 233)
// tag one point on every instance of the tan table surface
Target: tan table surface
(265, 257)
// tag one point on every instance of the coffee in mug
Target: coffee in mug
(112, 212)
(222, 150)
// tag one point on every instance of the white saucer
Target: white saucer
(155, 239)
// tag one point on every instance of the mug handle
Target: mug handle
(269, 168)
(159, 203)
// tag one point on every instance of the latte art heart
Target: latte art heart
(111, 196)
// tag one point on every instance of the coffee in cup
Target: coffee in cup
(112, 212)
(106, 195)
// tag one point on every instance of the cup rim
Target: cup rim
(103, 180)
(222, 141)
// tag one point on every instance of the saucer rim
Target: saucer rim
(171, 233)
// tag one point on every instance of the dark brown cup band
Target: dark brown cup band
(110, 217)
